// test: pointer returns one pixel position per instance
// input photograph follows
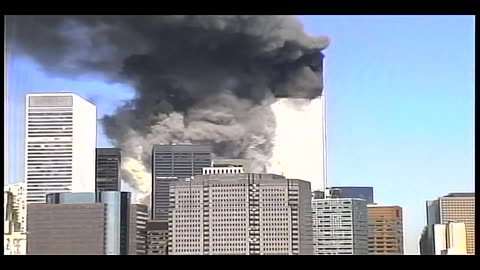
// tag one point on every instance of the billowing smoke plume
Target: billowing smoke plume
(197, 78)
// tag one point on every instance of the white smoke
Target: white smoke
(299, 150)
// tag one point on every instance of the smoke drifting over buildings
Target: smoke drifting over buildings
(197, 78)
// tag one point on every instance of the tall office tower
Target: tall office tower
(14, 240)
(157, 237)
(138, 229)
(454, 207)
(80, 223)
(385, 230)
(240, 214)
(172, 162)
(108, 169)
(60, 145)
(365, 193)
(19, 212)
(450, 239)
(340, 226)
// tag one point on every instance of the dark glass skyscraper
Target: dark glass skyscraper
(365, 193)
(171, 162)
(108, 169)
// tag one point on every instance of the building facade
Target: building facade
(138, 229)
(450, 239)
(66, 229)
(365, 193)
(172, 162)
(60, 145)
(240, 214)
(385, 230)
(340, 226)
(70, 222)
(456, 208)
(19, 212)
(108, 161)
(157, 237)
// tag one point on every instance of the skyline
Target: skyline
(377, 135)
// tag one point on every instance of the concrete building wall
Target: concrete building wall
(385, 230)
(240, 214)
(66, 229)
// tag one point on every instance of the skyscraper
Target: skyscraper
(242, 214)
(171, 162)
(385, 230)
(60, 145)
(108, 169)
(365, 193)
(456, 208)
(340, 226)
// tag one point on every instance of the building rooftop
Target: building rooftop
(460, 194)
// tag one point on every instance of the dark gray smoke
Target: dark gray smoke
(197, 78)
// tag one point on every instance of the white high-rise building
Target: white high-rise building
(60, 141)
(19, 195)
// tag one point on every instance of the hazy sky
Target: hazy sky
(400, 104)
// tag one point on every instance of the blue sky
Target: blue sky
(400, 105)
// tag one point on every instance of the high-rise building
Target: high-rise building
(60, 145)
(19, 212)
(365, 193)
(385, 230)
(450, 239)
(340, 226)
(240, 214)
(138, 229)
(80, 223)
(172, 162)
(454, 207)
(108, 169)
(157, 237)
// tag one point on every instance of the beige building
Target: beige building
(240, 214)
(454, 207)
(385, 230)
(450, 239)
